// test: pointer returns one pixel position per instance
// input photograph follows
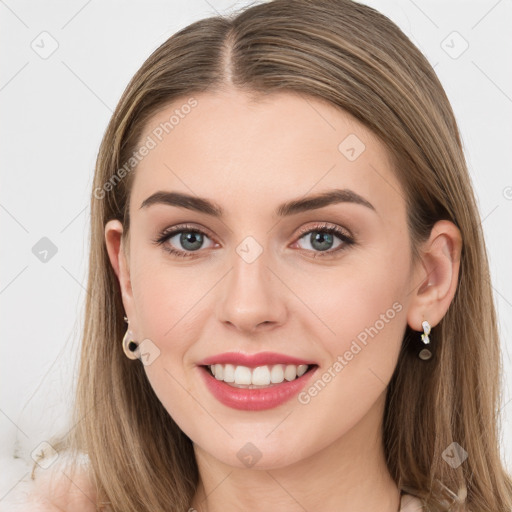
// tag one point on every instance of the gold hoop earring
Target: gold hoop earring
(129, 346)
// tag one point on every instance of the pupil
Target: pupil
(323, 239)
(195, 239)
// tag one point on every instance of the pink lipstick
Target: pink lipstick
(282, 378)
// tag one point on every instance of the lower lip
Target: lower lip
(255, 399)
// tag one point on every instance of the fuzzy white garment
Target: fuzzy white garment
(410, 503)
(54, 489)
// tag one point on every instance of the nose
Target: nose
(252, 298)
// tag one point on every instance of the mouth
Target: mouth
(256, 388)
(260, 377)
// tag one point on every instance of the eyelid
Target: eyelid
(302, 231)
(342, 233)
(327, 226)
(173, 230)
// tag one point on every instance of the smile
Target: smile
(261, 376)
(256, 389)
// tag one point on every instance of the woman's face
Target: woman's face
(257, 272)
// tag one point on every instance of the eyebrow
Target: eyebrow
(293, 207)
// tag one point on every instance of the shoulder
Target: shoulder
(65, 486)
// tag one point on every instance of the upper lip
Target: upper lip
(252, 360)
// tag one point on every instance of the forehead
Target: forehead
(248, 151)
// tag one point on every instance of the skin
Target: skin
(249, 157)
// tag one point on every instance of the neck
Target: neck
(349, 475)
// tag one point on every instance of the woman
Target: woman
(285, 239)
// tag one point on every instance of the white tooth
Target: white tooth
(261, 376)
(229, 373)
(301, 369)
(277, 374)
(242, 375)
(219, 372)
(290, 372)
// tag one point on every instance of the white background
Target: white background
(55, 111)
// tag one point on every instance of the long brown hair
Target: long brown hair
(358, 60)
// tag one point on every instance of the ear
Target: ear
(118, 255)
(435, 275)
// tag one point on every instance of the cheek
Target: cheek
(359, 308)
(362, 308)
(172, 307)
(165, 300)
(166, 297)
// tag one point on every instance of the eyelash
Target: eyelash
(323, 228)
